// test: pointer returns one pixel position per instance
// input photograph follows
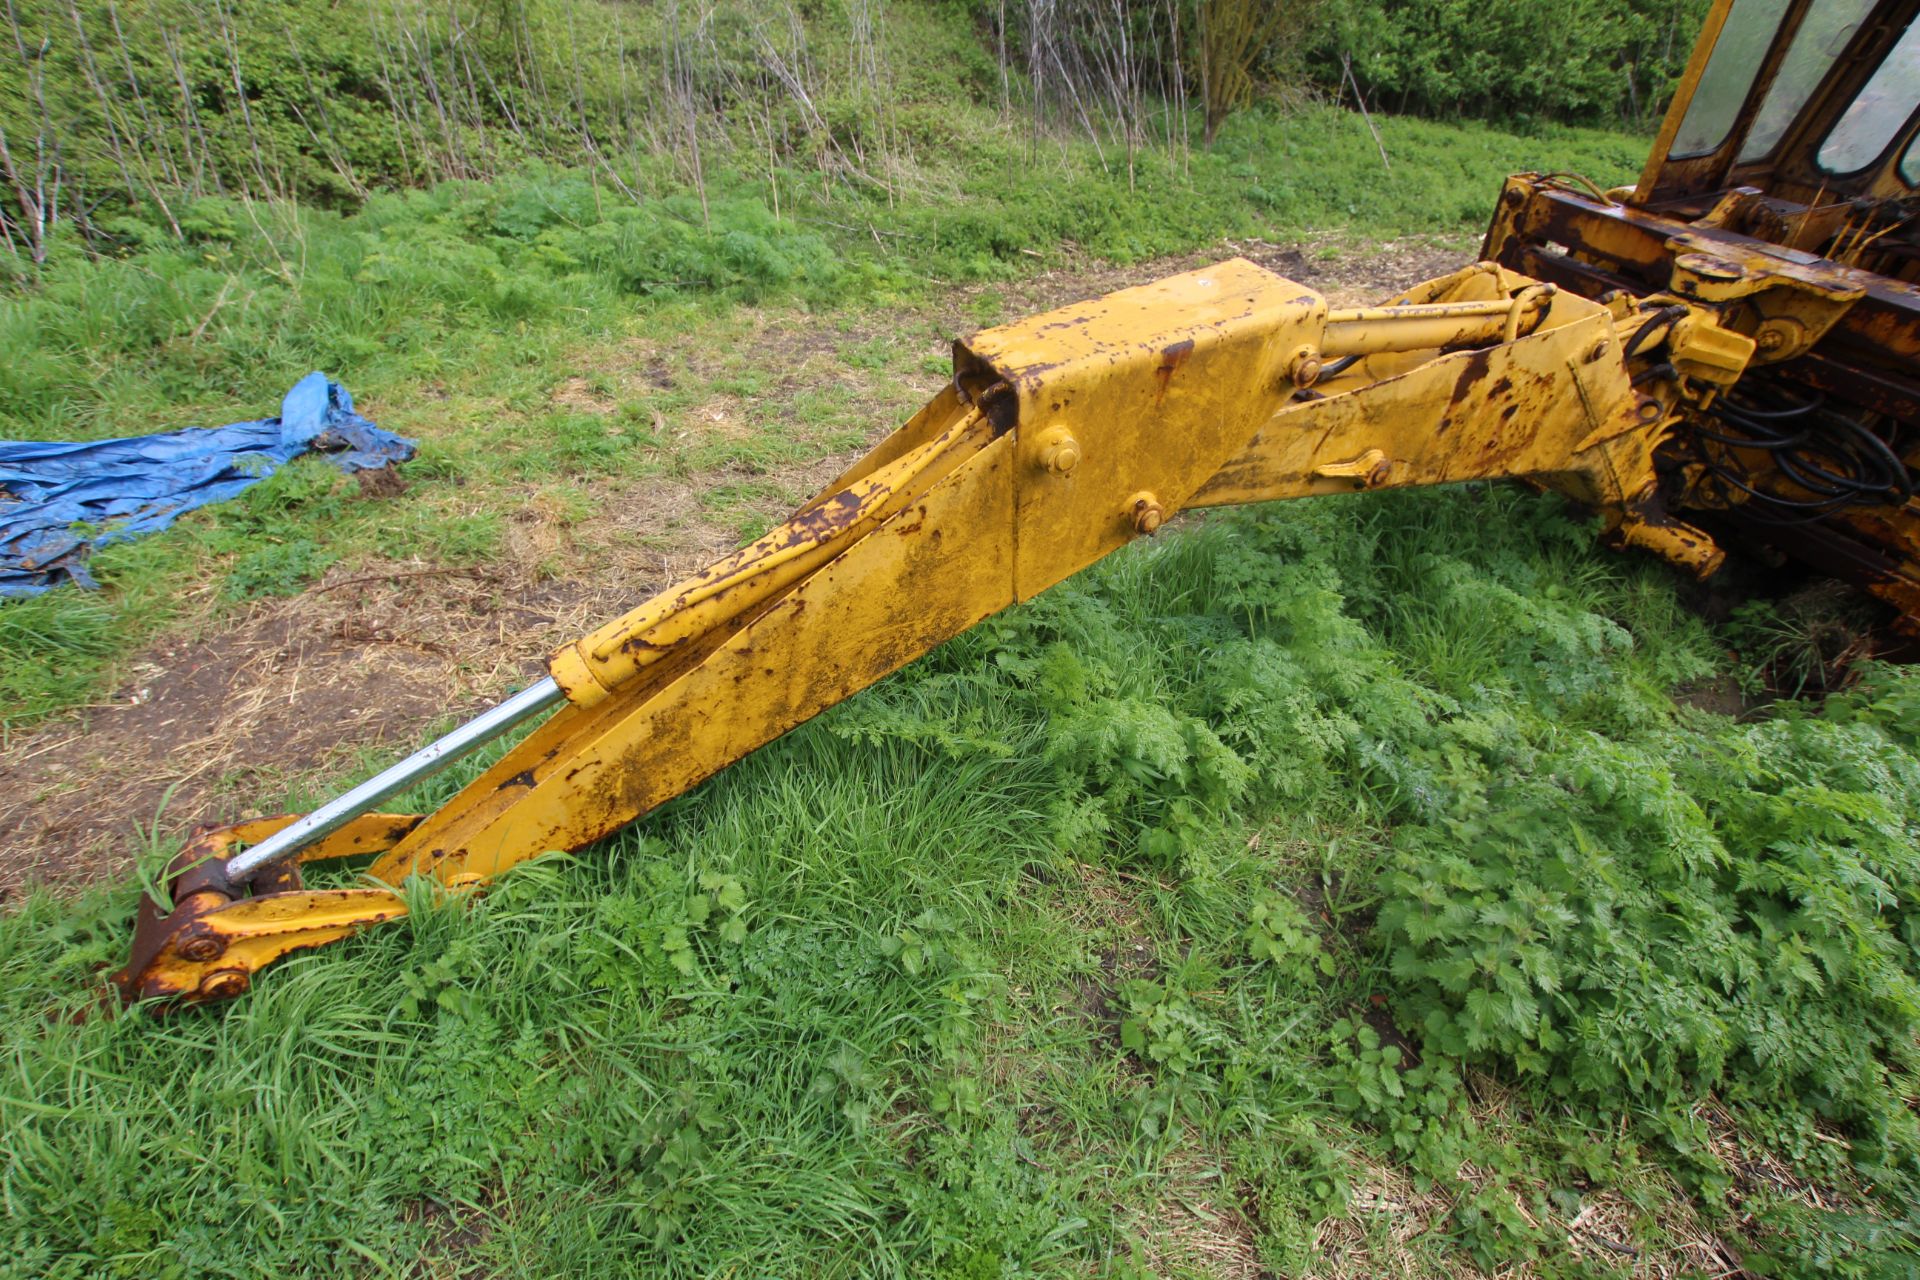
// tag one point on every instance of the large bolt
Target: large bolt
(203, 947)
(1059, 451)
(224, 985)
(1304, 368)
(1148, 515)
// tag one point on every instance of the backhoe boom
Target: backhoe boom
(1059, 440)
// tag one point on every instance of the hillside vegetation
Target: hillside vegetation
(485, 283)
(1340, 888)
(132, 110)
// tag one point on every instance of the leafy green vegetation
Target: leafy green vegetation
(968, 975)
(1596, 60)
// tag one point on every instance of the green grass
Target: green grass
(452, 312)
(1302, 861)
(1092, 916)
(454, 279)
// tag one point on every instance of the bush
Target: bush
(1596, 61)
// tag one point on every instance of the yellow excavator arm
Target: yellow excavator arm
(1059, 439)
(1736, 339)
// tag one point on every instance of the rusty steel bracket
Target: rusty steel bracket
(211, 934)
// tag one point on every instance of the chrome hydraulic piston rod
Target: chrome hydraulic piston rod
(390, 782)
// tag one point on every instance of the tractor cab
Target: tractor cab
(1783, 191)
(1796, 124)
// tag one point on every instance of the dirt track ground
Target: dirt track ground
(207, 725)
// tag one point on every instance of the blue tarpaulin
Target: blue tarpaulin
(120, 489)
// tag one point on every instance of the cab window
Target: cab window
(1880, 111)
(1735, 60)
(1817, 45)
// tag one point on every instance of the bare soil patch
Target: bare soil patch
(207, 727)
(1347, 274)
(1195, 1223)
(1378, 1236)
(266, 694)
